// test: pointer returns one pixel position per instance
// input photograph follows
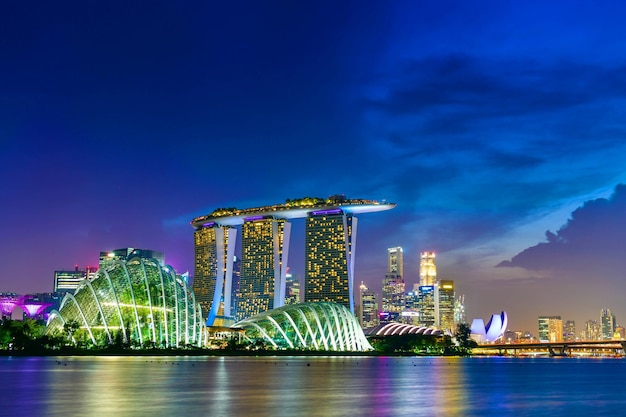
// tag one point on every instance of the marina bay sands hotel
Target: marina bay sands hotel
(330, 244)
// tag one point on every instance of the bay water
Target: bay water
(120, 386)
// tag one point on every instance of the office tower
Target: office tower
(410, 314)
(444, 305)
(592, 331)
(428, 269)
(459, 310)
(329, 257)
(393, 300)
(214, 248)
(292, 289)
(395, 261)
(426, 295)
(569, 331)
(265, 249)
(607, 321)
(393, 294)
(124, 254)
(67, 281)
(550, 329)
(368, 316)
(620, 333)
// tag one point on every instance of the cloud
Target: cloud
(592, 242)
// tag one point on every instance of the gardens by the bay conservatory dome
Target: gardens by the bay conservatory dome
(137, 302)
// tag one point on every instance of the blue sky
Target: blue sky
(488, 123)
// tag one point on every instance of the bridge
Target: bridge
(565, 348)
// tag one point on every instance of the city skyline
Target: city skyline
(496, 129)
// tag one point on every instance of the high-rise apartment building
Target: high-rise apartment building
(550, 329)
(265, 248)
(444, 305)
(329, 257)
(428, 269)
(607, 321)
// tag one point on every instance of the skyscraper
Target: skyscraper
(550, 329)
(593, 330)
(368, 316)
(260, 282)
(444, 305)
(428, 269)
(329, 257)
(292, 289)
(395, 261)
(459, 310)
(426, 296)
(214, 256)
(569, 330)
(393, 300)
(607, 321)
(265, 249)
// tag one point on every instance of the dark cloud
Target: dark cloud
(592, 243)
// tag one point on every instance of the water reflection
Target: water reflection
(287, 386)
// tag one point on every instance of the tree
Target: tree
(464, 339)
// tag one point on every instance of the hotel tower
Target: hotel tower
(330, 242)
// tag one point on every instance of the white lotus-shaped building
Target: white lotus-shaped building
(137, 301)
(492, 331)
(311, 326)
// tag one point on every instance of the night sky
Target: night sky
(498, 129)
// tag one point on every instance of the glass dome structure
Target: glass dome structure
(139, 301)
(315, 326)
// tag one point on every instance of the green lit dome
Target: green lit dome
(137, 301)
(314, 326)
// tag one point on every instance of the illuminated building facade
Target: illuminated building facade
(67, 281)
(393, 300)
(330, 238)
(607, 323)
(368, 312)
(395, 261)
(459, 310)
(264, 245)
(569, 331)
(445, 305)
(312, 326)
(426, 296)
(592, 331)
(139, 301)
(550, 329)
(292, 289)
(493, 331)
(329, 260)
(214, 248)
(428, 269)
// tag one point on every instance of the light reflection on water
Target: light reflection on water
(316, 386)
